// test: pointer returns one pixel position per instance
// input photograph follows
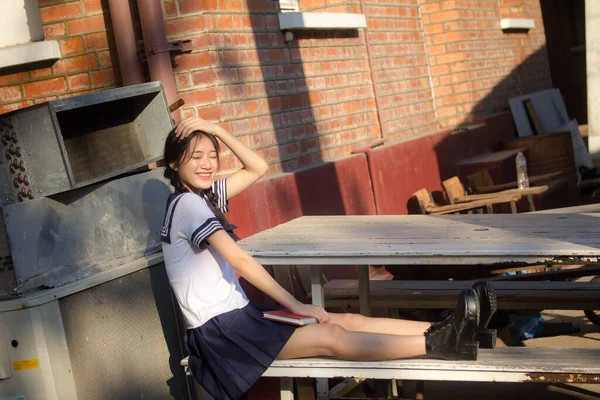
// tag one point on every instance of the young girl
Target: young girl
(230, 344)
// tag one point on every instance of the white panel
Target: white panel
(592, 59)
(549, 109)
(40, 362)
(517, 23)
(288, 5)
(29, 53)
(5, 365)
(20, 22)
(321, 20)
(582, 157)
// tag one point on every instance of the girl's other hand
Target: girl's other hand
(189, 125)
(309, 310)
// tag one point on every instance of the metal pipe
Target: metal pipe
(157, 49)
(370, 57)
(132, 71)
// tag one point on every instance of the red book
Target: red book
(287, 317)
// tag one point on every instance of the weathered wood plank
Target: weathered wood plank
(572, 360)
(511, 364)
(464, 239)
(443, 294)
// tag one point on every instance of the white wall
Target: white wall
(592, 44)
(20, 22)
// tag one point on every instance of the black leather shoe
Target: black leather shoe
(487, 306)
(454, 338)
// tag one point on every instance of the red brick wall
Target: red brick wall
(296, 103)
(313, 99)
(475, 66)
(399, 64)
(88, 62)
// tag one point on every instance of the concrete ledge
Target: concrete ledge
(30, 53)
(517, 24)
(321, 20)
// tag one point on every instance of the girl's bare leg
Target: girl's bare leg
(333, 340)
(359, 323)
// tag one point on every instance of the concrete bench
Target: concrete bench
(509, 364)
(443, 294)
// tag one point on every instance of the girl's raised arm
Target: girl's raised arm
(254, 167)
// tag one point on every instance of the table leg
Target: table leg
(531, 203)
(316, 285)
(318, 299)
(364, 291)
(286, 388)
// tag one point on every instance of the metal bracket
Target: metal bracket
(172, 47)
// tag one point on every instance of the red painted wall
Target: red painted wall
(342, 187)
(401, 169)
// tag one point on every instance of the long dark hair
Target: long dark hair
(176, 153)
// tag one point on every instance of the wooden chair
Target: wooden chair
(428, 206)
(482, 184)
(457, 194)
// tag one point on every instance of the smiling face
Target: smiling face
(200, 165)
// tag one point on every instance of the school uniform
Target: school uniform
(230, 344)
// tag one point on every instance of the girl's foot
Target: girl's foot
(487, 306)
(454, 338)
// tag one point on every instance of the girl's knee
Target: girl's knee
(335, 336)
(350, 321)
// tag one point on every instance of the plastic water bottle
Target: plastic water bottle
(522, 178)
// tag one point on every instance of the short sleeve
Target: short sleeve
(220, 190)
(196, 220)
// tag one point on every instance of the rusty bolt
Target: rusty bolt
(20, 196)
(5, 139)
(26, 180)
(29, 194)
(8, 155)
(16, 182)
(19, 178)
(18, 151)
(12, 169)
(21, 165)
(14, 137)
(11, 148)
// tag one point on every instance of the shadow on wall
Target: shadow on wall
(296, 142)
(485, 131)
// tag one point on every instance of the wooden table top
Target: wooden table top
(426, 239)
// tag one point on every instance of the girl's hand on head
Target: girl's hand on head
(189, 125)
(309, 310)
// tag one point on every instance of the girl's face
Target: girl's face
(201, 165)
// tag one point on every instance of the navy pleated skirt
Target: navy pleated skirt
(231, 351)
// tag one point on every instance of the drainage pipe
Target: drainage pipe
(132, 71)
(158, 49)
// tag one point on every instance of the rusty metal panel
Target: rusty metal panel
(75, 234)
(70, 143)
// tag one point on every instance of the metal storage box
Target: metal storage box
(71, 143)
(83, 232)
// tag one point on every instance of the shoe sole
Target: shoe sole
(488, 304)
(468, 349)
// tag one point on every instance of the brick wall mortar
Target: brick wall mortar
(397, 40)
(88, 61)
(314, 99)
(466, 42)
